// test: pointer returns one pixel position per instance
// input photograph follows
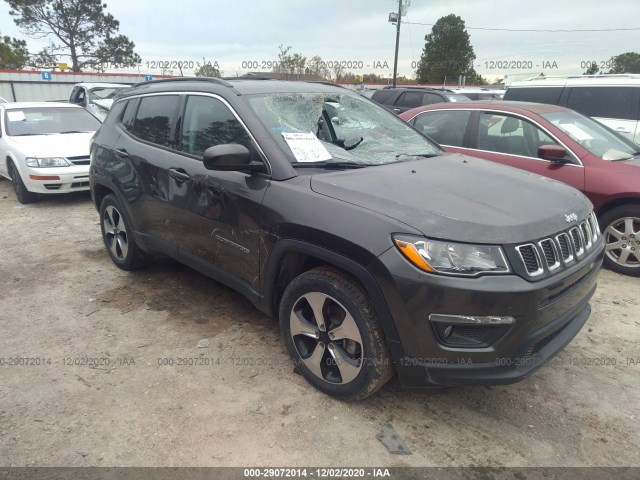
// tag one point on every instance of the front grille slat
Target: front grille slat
(550, 254)
(81, 160)
(529, 257)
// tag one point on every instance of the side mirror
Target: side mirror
(554, 153)
(230, 157)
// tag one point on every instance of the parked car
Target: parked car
(480, 93)
(558, 143)
(402, 99)
(377, 251)
(96, 98)
(44, 148)
(613, 100)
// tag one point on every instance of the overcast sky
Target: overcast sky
(237, 31)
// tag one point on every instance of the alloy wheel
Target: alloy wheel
(622, 237)
(326, 338)
(115, 233)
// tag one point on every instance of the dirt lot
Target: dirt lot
(62, 301)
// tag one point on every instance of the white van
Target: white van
(613, 100)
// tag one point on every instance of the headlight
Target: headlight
(47, 162)
(451, 258)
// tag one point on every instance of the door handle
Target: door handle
(623, 130)
(179, 174)
(396, 109)
(122, 153)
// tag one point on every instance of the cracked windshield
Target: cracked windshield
(350, 129)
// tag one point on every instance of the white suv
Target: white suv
(613, 100)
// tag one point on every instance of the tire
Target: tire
(23, 195)
(345, 354)
(621, 229)
(117, 234)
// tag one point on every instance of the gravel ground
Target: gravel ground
(238, 401)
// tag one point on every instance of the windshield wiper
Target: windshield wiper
(422, 155)
(74, 131)
(329, 165)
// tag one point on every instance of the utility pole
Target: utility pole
(397, 19)
(395, 60)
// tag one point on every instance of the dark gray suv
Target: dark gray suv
(378, 252)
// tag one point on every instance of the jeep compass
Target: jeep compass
(378, 252)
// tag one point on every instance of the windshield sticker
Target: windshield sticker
(306, 147)
(576, 132)
(15, 115)
(280, 129)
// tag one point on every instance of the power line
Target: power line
(538, 30)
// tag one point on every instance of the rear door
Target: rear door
(616, 107)
(150, 147)
(408, 100)
(513, 140)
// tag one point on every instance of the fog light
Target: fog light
(469, 331)
(472, 320)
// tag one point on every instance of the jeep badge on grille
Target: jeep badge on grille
(571, 217)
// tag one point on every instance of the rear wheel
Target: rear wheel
(621, 230)
(118, 235)
(331, 331)
(23, 195)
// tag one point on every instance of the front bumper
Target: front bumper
(548, 314)
(69, 179)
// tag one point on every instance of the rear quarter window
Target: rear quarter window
(550, 95)
(383, 96)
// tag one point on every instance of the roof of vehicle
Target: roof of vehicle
(239, 85)
(626, 79)
(102, 85)
(507, 106)
(18, 105)
(419, 87)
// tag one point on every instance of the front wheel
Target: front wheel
(117, 235)
(621, 230)
(332, 333)
(23, 195)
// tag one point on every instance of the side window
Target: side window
(512, 135)
(410, 99)
(607, 102)
(155, 119)
(549, 95)
(431, 98)
(445, 127)
(208, 122)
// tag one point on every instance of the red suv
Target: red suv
(555, 142)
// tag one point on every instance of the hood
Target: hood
(55, 145)
(456, 197)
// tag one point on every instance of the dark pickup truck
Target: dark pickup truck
(378, 252)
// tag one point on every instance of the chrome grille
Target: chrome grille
(529, 256)
(83, 160)
(576, 237)
(550, 253)
(565, 248)
(562, 249)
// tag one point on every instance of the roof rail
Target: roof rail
(219, 81)
(249, 77)
(601, 75)
(326, 82)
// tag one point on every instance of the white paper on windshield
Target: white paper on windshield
(15, 115)
(306, 147)
(576, 132)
